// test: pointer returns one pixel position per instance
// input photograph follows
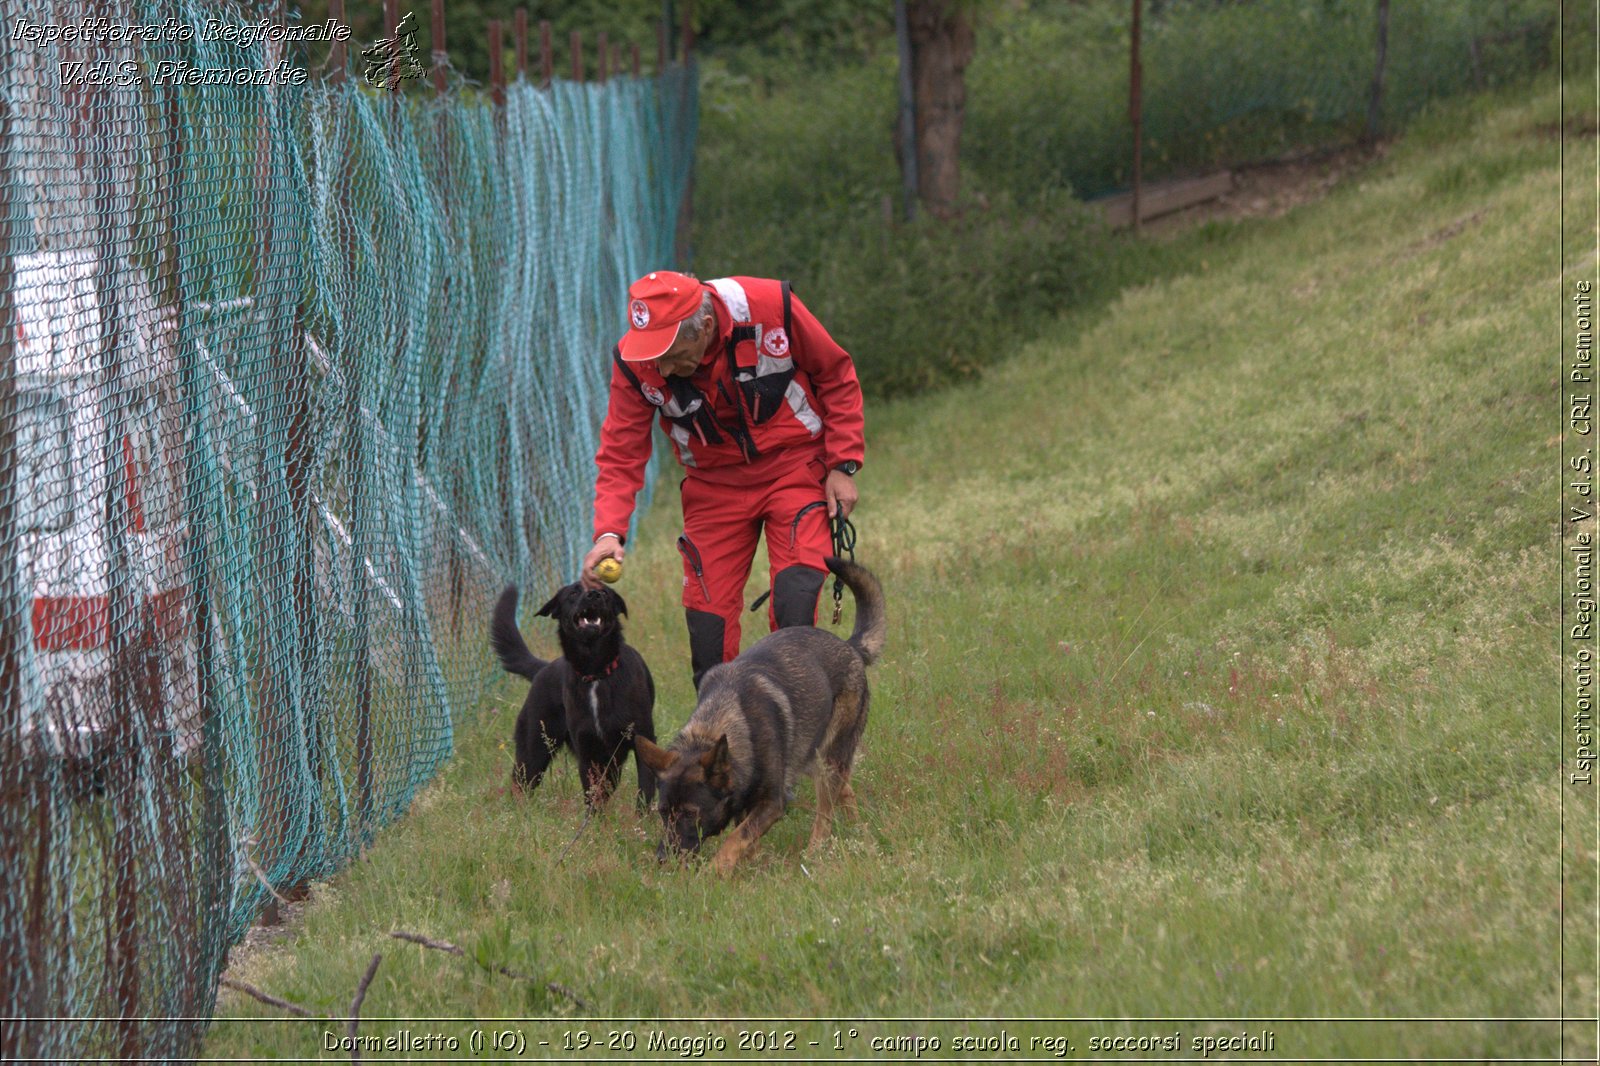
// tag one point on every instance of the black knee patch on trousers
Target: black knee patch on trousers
(706, 632)
(794, 595)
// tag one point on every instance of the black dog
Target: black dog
(596, 699)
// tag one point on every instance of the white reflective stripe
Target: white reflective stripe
(766, 364)
(681, 437)
(732, 294)
(677, 410)
(796, 395)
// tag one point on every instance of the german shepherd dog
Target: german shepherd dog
(793, 704)
(596, 698)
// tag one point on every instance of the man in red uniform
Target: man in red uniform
(764, 412)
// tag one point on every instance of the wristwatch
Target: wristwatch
(848, 467)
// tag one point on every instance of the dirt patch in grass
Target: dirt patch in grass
(1454, 229)
(1270, 189)
(269, 935)
(1584, 125)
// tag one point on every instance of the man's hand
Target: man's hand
(604, 548)
(840, 491)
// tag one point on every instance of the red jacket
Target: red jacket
(774, 390)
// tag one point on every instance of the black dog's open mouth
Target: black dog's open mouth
(589, 621)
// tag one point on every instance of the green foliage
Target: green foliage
(926, 304)
(774, 41)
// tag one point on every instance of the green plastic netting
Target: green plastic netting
(293, 378)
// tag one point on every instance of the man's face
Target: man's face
(684, 356)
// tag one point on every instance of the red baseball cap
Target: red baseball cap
(657, 304)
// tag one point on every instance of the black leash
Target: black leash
(844, 542)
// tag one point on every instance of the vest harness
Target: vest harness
(763, 383)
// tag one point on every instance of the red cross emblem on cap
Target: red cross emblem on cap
(658, 303)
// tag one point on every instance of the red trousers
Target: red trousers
(721, 523)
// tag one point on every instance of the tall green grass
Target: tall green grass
(1221, 681)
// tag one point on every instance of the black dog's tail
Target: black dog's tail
(506, 638)
(867, 640)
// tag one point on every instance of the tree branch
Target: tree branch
(455, 949)
(355, 1007)
(265, 997)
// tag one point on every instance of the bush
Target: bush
(926, 304)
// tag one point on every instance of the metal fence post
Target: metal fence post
(1136, 112)
(1375, 100)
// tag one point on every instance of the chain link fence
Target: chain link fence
(295, 374)
(1225, 82)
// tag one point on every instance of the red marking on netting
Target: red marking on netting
(69, 623)
(78, 623)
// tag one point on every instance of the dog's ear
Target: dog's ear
(552, 609)
(718, 766)
(658, 759)
(622, 604)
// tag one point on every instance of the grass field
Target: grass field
(1222, 682)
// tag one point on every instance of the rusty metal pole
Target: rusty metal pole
(338, 57)
(683, 245)
(522, 42)
(215, 859)
(497, 74)
(123, 606)
(1136, 113)
(547, 56)
(1375, 100)
(299, 562)
(577, 57)
(441, 58)
(908, 111)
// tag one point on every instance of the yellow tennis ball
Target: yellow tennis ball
(608, 570)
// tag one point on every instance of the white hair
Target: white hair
(690, 329)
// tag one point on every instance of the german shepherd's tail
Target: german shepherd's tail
(867, 640)
(506, 638)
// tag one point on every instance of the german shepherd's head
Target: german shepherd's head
(696, 791)
(588, 621)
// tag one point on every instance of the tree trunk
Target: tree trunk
(942, 41)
